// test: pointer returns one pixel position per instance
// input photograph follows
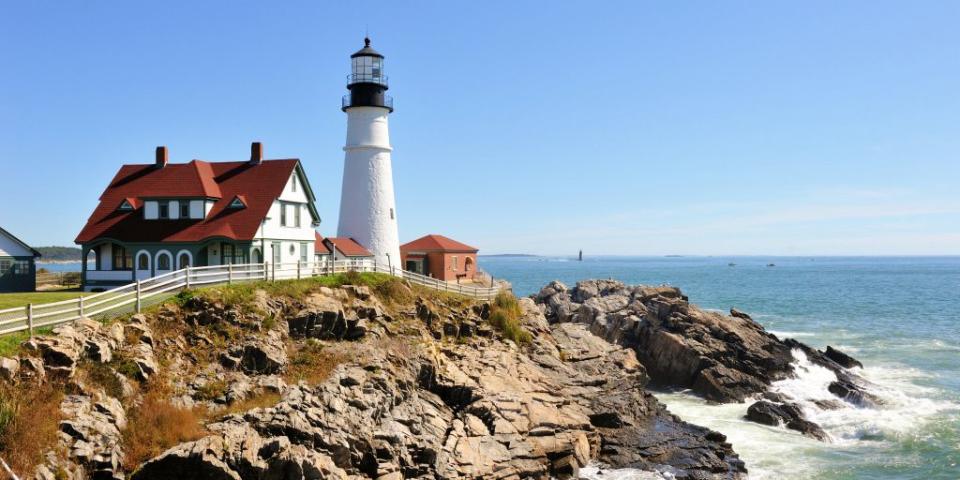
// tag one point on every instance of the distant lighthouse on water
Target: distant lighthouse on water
(368, 211)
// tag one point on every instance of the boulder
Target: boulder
(845, 361)
(788, 415)
(266, 355)
(9, 368)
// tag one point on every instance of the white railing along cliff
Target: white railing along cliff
(134, 296)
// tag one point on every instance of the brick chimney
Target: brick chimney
(256, 153)
(162, 157)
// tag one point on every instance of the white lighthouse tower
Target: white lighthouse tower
(368, 211)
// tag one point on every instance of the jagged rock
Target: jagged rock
(845, 361)
(31, 368)
(92, 433)
(852, 393)
(137, 330)
(737, 313)
(264, 355)
(9, 368)
(239, 452)
(786, 414)
(143, 356)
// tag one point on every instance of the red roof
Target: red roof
(349, 247)
(436, 243)
(258, 185)
(318, 246)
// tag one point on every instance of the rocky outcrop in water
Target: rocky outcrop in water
(724, 358)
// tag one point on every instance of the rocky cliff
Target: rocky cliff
(724, 358)
(379, 381)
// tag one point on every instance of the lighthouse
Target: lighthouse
(368, 211)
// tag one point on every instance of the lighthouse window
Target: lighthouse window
(391, 214)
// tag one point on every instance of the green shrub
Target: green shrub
(394, 290)
(352, 278)
(105, 377)
(505, 315)
(212, 390)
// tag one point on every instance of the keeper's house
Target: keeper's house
(18, 270)
(160, 217)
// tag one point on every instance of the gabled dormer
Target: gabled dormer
(238, 202)
(126, 205)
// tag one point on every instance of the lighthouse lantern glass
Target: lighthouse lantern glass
(367, 69)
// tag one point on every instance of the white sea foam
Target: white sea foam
(594, 472)
(904, 404)
(775, 452)
(786, 334)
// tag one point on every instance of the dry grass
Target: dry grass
(505, 316)
(156, 425)
(312, 363)
(29, 421)
(263, 400)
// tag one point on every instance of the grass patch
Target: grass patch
(156, 425)
(21, 299)
(312, 363)
(212, 390)
(10, 343)
(102, 375)
(29, 422)
(263, 400)
(241, 295)
(505, 316)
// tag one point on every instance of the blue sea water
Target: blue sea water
(899, 315)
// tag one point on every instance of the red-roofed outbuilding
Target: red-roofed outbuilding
(440, 257)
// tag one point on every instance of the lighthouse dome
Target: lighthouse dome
(367, 50)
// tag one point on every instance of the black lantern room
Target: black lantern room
(366, 82)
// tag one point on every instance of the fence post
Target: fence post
(265, 271)
(298, 269)
(273, 268)
(229, 273)
(138, 296)
(30, 318)
(80, 301)
(188, 276)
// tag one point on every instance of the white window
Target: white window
(296, 215)
(150, 210)
(22, 267)
(303, 252)
(453, 263)
(5, 266)
(293, 183)
(283, 214)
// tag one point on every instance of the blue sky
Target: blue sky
(648, 128)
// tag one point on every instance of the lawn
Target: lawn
(20, 299)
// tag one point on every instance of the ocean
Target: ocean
(900, 316)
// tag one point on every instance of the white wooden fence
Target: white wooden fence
(134, 296)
